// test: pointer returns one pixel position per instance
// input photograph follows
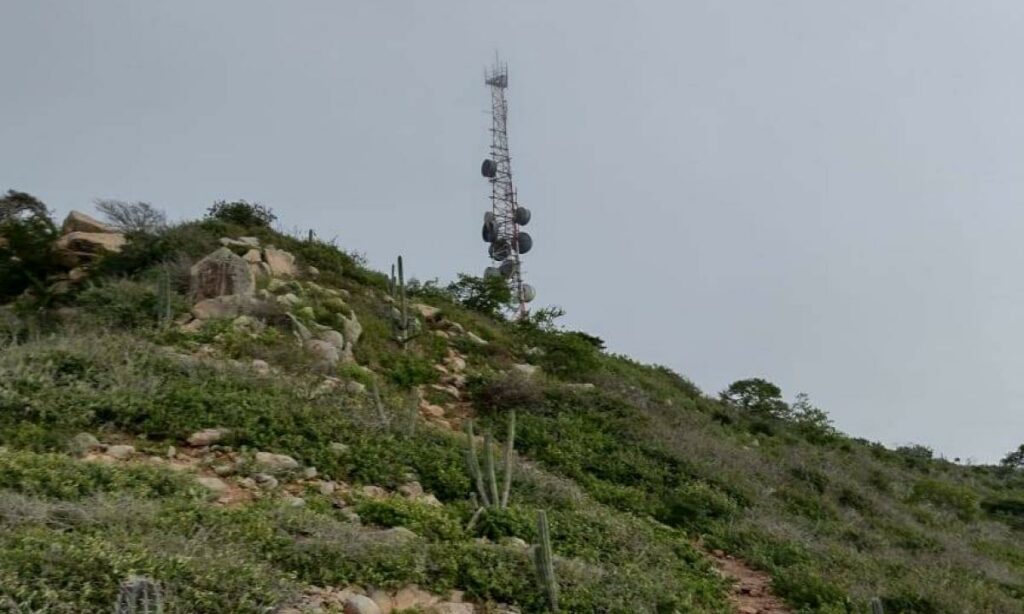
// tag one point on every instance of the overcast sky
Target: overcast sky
(823, 193)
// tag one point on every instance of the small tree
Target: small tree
(1015, 459)
(756, 395)
(487, 295)
(27, 234)
(242, 213)
(133, 218)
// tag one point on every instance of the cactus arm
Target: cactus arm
(474, 465)
(492, 480)
(510, 440)
(544, 560)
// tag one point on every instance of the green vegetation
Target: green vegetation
(630, 466)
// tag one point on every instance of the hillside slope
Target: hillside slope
(289, 449)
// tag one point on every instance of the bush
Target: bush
(133, 218)
(957, 499)
(487, 295)
(566, 354)
(696, 503)
(27, 235)
(249, 215)
(756, 395)
(122, 303)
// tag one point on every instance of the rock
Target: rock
(360, 604)
(411, 597)
(313, 271)
(192, 326)
(338, 448)
(207, 437)
(222, 273)
(398, 534)
(352, 330)
(83, 443)
(526, 369)
(253, 256)
(76, 221)
(214, 484)
(261, 367)
(299, 329)
(78, 274)
(580, 387)
(428, 312)
(276, 463)
(373, 492)
(293, 501)
(451, 607)
(309, 473)
(240, 242)
(411, 490)
(120, 452)
(334, 338)
(327, 488)
(265, 480)
(233, 306)
(515, 542)
(247, 483)
(281, 263)
(289, 300)
(76, 247)
(429, 409)
(224, 469)
(326, 354)
(354, 387)
(749, 609)
(455, 362)
(476, 338)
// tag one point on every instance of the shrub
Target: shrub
(133, 218)
(695, 503)
(957, 499)
(756, 395)
(512, 390)
(566, 354)
(487, 295)
(27, 235)
(243, 213)
(407, 370)
(122, 303)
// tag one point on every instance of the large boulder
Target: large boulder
(281, 263)
(79, 246)
(222, 273)
(76, 221)
(233, 306)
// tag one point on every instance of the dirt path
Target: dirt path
(752, 591)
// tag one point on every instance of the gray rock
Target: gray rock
(334, 338)
(222, 273)
(309, 473)
(214, 484)
(326, 354)
(338, 448)
(76, 247)
(207, 437)
(476, 338)
(76, 221)
(265, 480)
(360, 604)
(293, 501)
(411, 490)
(281, 263)
(121, 452)
(261, 367)
(526, 369)
(276, 463)
(240, 242)
(232, 306)
(83, 443)
(451, 607)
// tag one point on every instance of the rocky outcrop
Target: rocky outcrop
(78, 247)
(233, 306)
(76, 221)
(280, 262)
(222, 273)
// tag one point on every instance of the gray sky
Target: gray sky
(823, 193)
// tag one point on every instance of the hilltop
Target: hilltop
(225, 418)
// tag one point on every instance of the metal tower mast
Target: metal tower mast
(502, 223)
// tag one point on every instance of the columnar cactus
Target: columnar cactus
(544, 561)
(139, 595)
(486, 480)
(404, 325)
(876, 606)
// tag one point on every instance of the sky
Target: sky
(824, 194)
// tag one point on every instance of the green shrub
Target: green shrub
(27, 236)
(242, 213)
(430, 522)
(958, 499)
(122, 303)
(407, 370)
(695, 503)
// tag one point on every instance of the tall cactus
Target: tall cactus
(404, 325)
(876, 606)
(544, 561)
(486, 479)
(139, 595)
(164, 303)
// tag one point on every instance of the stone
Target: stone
(361, 604)
(580, 387)
(476, 338)
(121, 452)
(313, 271)
(515, 542)
(293, 501)
(207, 437)
(76, 221)
(455, 362)
(526, 369)
(352, 330)
(327, 488)
(261, 367)
(411, 490)
(373, 492)
(354, 387)
(326, 354)
(233, 306)
(247, 324)
(253, 256)
(451, 607)
(265, 480)
(411, 597)
(429, 409)
(78, 274)
(431, 500)
(76, 247)
(221, 273)
(398, 534)
(192, 326)
(214, 484)
(289, 300)
(281, 263)
(334, 338)
(338, 448)
(83, 443)
(428, 312)
(276, 463)
(224, 469)
(309, 473)
(299, 329)
(240, 242)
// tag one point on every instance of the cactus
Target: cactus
(139, 595)
(545, 562)
(404, 325)
(164, 306)
(381, 413)
(876, 606)
(486, 479)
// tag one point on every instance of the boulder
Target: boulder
(281, 263)
(222, 273)
(411, 490)
(451, 607)
(232, 306)
(76, 221)
(214, 484)
(275, 463)
(360, 604)
(121, 452)
(428, 312)
(327, 355)
(334, 338)
(526, 369)
(83, 443)
(76, 247)
(240, 242)
(261, 367)
(475, 338)
(207, 437)
(412, 597)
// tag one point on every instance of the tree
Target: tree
(27, 234)
(487, 295)
(242, 213)
(133, 218)
(1015, 459)
(756, 395)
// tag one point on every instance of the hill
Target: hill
(224, 418)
